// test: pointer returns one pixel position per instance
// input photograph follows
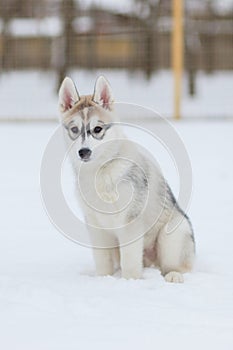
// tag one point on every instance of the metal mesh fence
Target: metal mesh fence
(60, 35)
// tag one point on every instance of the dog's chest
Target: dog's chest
(108, 197)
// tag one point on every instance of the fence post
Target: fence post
(177, 54)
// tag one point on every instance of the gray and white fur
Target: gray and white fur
(129, 208)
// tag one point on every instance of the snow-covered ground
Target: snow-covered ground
(32, 94)
(49, 296)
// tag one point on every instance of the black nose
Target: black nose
(84, 153)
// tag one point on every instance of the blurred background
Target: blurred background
(130, 41)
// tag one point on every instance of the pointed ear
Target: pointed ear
(103, 93)
(68, 95)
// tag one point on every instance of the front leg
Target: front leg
(132, 259)
(103, 261)
(103, 253)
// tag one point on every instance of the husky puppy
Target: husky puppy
(132, 216)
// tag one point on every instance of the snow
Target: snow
(48, 26)
(223, 6)
(33, 95)
(220, 6)
(120, 6)
(49, 295)
(83, 24)
(128, 6)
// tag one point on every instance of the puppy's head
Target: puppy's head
(88, 120)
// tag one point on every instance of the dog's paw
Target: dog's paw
(174, 277)
(131, 274)
(108, 271)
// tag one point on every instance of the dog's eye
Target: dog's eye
(97, 129)
(74, 129)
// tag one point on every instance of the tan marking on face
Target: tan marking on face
(86, 109)
(85, 101)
